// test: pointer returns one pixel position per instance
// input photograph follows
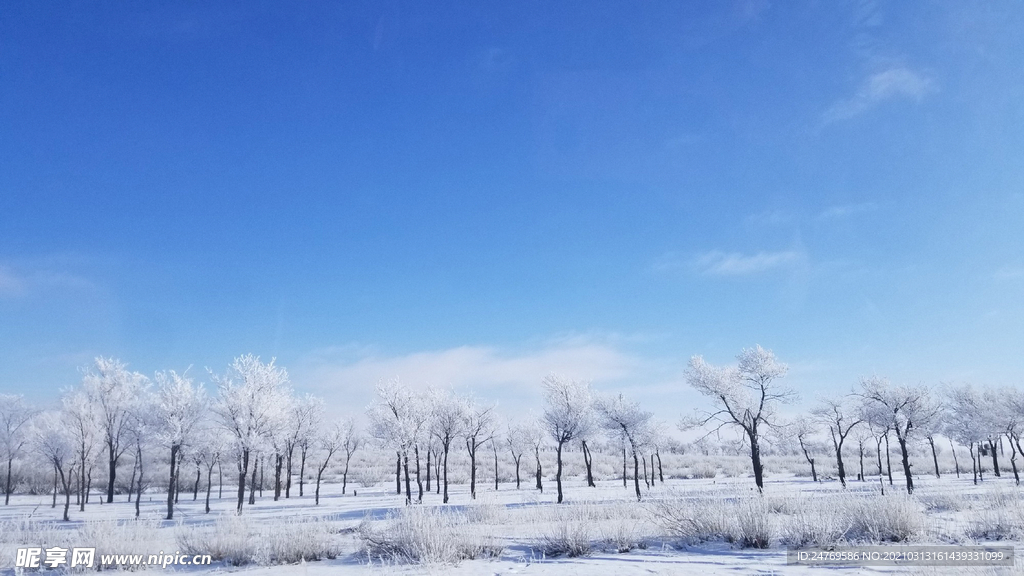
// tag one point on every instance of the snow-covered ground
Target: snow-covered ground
(523, 524)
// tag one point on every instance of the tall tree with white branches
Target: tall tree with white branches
(477, 429)
(568, 415)
(15, 415)
(746, 396)
(446, 424)
(841, 416)
(624, 420)
(53, 441)
(180, 407)
(112, 389)
(249, 407)
(907, 408)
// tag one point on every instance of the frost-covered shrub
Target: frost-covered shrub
(947, 501)
(1003, 520)
(239, 540)
(570, 532)
(126, 537)
(702, 470)
(426, 535)
(694, 520)
(755, 526)
(891, 518)
(814, 522)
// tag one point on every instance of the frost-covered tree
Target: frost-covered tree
(15, 415)
(397, 419)
(340, 436)
(745, 396)
(251, 396)
(477, 429)
(624, 420)
(52, 441)
(79, 417)
(181, 405)
(517, 440)
(906, 408)
(840, 415)
(968, 421)
(112, 390)
(446, 424)
(568, 415)
(308, 418)
(803, 430)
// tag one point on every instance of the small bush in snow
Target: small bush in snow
(755, 524)
(426, 535)
(239, 540)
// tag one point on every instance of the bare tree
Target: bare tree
(477, 429)
(745, 396)
(625, 421)
(397, 419)
(251, 395)
(306, 437)
(803, 430)
(15, 415)
(330, 441)
(841, 417)
(568, 415)
(905, 407)
(968, 421)
(517, 439)
(303, 415)
(351, 441)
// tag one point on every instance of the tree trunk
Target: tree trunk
(220, 480)
(131, 484)
(956, 464)
(288, 475)
(636, 475)
(445, 468)
(472, 469)
(67, 491)
(408, 483)
(419, 483)
(589, 461)
(495, 450)
(837, 443)
(517, 467)
(1013, 461)
(302, 471)
(319, 473)
(111, 471)
(652, 469)
(807, 456)
(974, 463)
(888, 460)
(398, 474)
(138, 493)
(277, 476)
(540, 484)
(935, 455)
(558, 473)
(252, 482)
(54, 487)
(647, 484)
(906, 462)
(860, 446)
(7, 486)
(172, 481)
(428, 469)
(199, 476)
(661, 474)
(878, 453)
(209, 485)
(995, 458)
(755, 461)
(243, 472)
(344, 474)
(624, 483)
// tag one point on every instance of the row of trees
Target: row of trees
(747, 396)
(255, 421)
(116, 413)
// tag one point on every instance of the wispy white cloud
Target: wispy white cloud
(349, 373)
(893, 83)
(845, 210)
(718, 263)
(29, 282)
(770, 218)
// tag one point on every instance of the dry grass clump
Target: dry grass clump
(426, 535)
(239, 540)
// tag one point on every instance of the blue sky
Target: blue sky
(480, 192)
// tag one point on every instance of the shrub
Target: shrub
(755, 526)
(239, 540)
(426, 535)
